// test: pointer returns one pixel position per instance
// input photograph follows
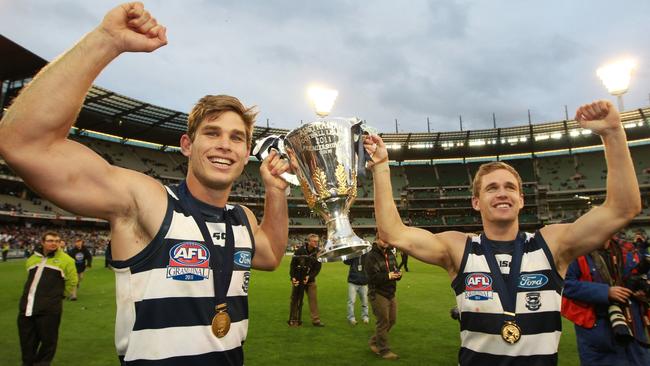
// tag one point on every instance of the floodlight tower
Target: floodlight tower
(616, 78)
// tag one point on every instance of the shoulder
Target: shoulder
(32, 258)
(551, 233)
(554, 237)
(252, 220)
(64, 257)
(146, 193)
(62, 260)
(141, 219)
(454, 236)
(373, 254)
(455, 241)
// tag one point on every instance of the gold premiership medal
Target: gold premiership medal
(510, 332)
(221, 321)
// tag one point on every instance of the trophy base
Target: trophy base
(343, 249)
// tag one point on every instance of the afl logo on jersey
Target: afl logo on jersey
(189, 254)
(188, 261)
(478, 286)
(242, 258)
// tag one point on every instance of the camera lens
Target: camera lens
(620, 328)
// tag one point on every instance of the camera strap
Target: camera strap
(601, 266)
(358, 133)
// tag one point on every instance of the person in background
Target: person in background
(107, 255)
(598, 285)
(357, 285)
(382, 272)
(51, 276)
(641, 241)
(5, 251)
(82, 260)
(305, 256)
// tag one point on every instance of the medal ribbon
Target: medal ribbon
(507, 292)
(362, 154)
(222, 272)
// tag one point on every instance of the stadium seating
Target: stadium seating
(558, 187)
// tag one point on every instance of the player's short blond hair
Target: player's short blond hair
(488, 168)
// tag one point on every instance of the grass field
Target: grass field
(424, 333)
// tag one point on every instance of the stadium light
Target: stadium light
(616, 78)
(477, 142)
(322, 99)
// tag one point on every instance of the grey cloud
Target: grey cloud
(405, 60)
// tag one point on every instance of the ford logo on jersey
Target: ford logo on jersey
(243, 258)
(478, 286)
(188, 261)
(534, 280)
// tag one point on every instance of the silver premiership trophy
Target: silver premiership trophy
(326, 155)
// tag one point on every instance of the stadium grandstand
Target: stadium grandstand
(561, 164)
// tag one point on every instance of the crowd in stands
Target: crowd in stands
(27, 237)
(248, 187)
(434, 195)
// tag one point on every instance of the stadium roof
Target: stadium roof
(108, 112)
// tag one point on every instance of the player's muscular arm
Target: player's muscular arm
(623, 201)
(443, 249)
(33, 131)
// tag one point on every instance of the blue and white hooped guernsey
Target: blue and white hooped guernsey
(165, 294)
(539, 298)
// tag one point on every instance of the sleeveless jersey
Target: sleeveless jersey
(165, 294)
(538, 302)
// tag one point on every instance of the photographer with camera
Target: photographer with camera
(604, 296)
(303, 271)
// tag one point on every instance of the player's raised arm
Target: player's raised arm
(33, 132)
(623, 201)
(417, 242)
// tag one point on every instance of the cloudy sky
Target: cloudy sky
(404, 60)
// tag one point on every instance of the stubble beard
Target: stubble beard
(221, 183)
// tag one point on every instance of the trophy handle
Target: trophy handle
(263, 148)
(359, 131)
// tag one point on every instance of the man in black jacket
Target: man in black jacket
(381, 268)
(305, 277)
(82, 259)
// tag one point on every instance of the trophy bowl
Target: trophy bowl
(326, 155)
